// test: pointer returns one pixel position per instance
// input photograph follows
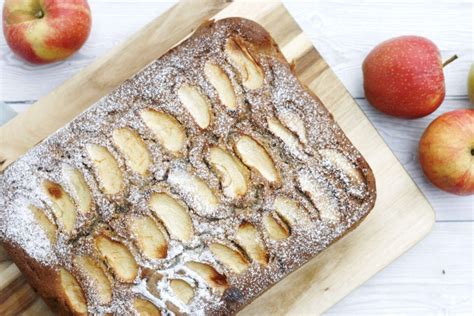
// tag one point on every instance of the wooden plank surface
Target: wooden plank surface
(142, 11)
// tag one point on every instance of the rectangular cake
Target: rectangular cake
(191, 189)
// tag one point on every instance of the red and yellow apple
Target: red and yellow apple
(446, 152)
(404, 77)
(44, 31)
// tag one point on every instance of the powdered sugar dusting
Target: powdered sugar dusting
(27, 233)
(215, 217)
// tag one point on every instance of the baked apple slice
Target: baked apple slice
(248, 238)
(94, 271)
(133, 148)
(108, 172)
(62, 206)
(148, 236)
(196, 103)
(276, 228)
(284, 134)
(167, 130)
(183, 290)
(251, 74)
(72, 292)
(48, 227)
(255, 156)
(321, 196)
(294, 123)
(213, 278)
(201, 197)
(229, 257)
(221, 82)
(145, 307)
(118, 258)
(174, 215)
(78, 185)
(336, 161)
(290, 211)
(233, 175)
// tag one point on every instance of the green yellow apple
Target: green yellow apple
(44, 31)
(446, 152)
(470, 84)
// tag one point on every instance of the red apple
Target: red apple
(44, 31)
(404, 77)
(447, 152)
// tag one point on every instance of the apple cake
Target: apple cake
(191, 189)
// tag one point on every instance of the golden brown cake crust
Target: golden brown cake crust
(43, 279)
(226, 224)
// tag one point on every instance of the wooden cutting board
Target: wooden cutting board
(401, 217)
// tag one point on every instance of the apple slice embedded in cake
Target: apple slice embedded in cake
(107, 169)
(48, 227)
(233, 175)
(72, 292)
(213, 278)
(255, 156)
(167, 130)
(62, 205)
(79, 187)
(197, 104)
(294, 123)
(275, 227)
(148, 236)
(145, 307)
(248, 238)
(334, 160)
(291, 211)
(174, 215)
(118, 257)
(251, 74)
(182, 289)
(322, 198)
(229, 257)
(195, 191)
(221, 82)
(94, 271)
(132, 146)
(290, 140)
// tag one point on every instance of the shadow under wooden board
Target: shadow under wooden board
(401, 217)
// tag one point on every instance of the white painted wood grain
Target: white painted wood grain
(344, 32)
(434, 278)
(402, 136)
(112, 23)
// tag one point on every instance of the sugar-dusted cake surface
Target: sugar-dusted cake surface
(191, 189)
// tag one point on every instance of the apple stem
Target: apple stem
(450, 60)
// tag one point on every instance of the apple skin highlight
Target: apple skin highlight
(446, 152)
(404, 77)
(46, 31)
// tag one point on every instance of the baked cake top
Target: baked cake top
(194, 186)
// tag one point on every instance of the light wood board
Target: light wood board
(401, 217)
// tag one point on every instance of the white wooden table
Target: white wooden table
(436, 276)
